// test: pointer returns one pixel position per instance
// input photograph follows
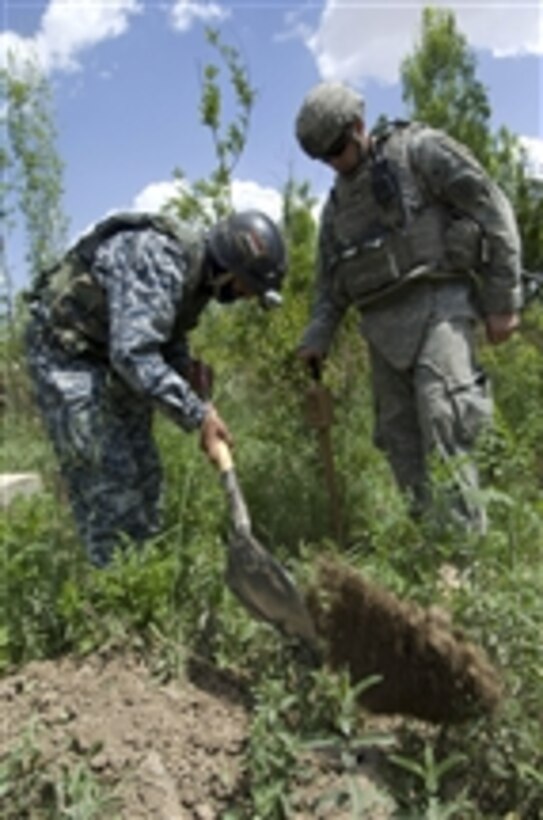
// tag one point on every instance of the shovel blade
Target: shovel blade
(265, 588)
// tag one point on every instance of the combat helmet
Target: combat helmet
(249, 244)
(325, 116)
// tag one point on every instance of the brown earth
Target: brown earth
(172, 751)
(428, 668)
(178, 750)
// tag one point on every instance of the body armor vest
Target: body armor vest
(380, 226)
(75, 300)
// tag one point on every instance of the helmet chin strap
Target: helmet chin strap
(221, 279)
(217, 278)
(222, 290)
(363, 141)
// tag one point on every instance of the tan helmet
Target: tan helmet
(325, 115)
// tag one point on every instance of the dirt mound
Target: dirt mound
(106, 730)
(429, 670)
(154, 751)
(149, 742)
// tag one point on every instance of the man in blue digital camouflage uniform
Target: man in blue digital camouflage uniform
(107, 342)
(418, 238)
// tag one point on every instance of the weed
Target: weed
(31, 787)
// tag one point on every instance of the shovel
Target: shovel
(262, 585)
(319, 415)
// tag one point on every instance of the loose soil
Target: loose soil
(178, 750)
(428, 669)
(172, 751)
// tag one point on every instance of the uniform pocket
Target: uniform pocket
(472, 406)
(369, 270)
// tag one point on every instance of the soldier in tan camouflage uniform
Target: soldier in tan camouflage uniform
(107, 343)
(421, 241)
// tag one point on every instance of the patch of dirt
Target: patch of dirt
(171, 751)
(429, 670)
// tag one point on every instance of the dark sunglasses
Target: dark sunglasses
(337, 147)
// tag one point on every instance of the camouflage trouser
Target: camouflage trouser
(101, 432)
(439, 406)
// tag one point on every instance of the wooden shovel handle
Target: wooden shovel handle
(221, 456)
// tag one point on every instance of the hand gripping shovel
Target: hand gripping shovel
(254, 576)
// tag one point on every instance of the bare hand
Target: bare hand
(500, 326)
(213, 429)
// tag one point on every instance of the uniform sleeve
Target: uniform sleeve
(453, 175)
(177, 354)
(329, 306)
(143, 273)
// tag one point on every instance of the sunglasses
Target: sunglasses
(337, 147)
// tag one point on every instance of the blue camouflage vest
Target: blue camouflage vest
(75, 301)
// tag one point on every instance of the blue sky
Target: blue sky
(125, 75)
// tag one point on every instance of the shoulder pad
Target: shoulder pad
(105, 228)
(385, 128)
(87, 244)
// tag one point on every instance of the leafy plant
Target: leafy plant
(209, 198)
(170, 601)
(31, 788)
(430, 773)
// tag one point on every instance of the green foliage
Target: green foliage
(31, 170)
(37, 555)
(505, 608)
(273, 751)
(31, 788)
(80, 796)
(529, 210)
(430, 773)
(209, 198)
(440, 86)
(169, 599)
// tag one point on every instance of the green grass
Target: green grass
(172, 599)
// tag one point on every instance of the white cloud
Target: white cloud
(19, 49)
(185, 12)
(534, 151)
(67, 29)
(355, 42)
(248, 194)
(245, 194)
(155, 195)
(296, 28)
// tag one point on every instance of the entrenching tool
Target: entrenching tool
(319, 414)
(259, 581)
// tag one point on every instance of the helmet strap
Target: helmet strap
(359, 136)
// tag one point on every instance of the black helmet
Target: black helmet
(249, 245)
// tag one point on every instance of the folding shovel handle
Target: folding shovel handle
(319, 412)
(221, 456)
